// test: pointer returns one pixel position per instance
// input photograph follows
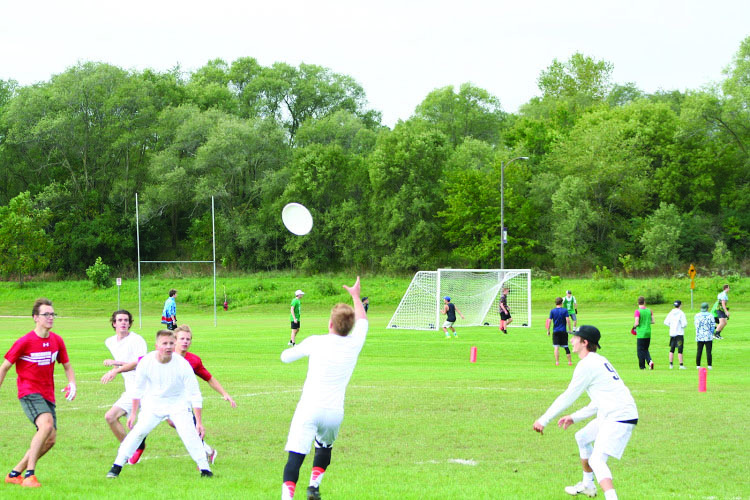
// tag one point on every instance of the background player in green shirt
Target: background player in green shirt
(644, 318)
(571, 304)
(294, 315)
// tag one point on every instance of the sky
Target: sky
(397, 50)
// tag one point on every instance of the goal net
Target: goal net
(475, 292)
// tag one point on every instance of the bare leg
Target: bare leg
(113, 419)
(43, 440)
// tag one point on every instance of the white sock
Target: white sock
(588, 478)
(610, 495)
(287, 490)
(207, 448)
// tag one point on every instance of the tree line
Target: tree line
(615, 176)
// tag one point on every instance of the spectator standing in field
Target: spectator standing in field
(320, 410)
(559, 319)
(676, 321)
(720, 310)
(450, 310)
(169, 314)
(34, 355)
(505, 317)
(126, 348)
(184, 339)
(704, 334)
(294, 315)
(571, 304)
(167, 387)
(366, 303)
(611, 402)
(644, 318)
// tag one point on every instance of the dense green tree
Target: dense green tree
(661, 237)
(24, 244)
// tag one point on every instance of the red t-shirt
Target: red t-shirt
(35, 358)
(197, 365)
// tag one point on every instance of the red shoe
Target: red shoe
(13, 480)
(30, 482)
(136, 456)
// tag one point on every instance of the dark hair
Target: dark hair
(39, 303)
(725, 286)
(172, 292)
(641, 300)
(591, 346)
(558, 301)
(120, 311)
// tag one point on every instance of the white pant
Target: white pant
(313, 423)
(608, 437)
(181, 417)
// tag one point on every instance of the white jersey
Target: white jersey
(164, 386)
(127, 350)
(676, 321)
(610, 398)
(332, 361)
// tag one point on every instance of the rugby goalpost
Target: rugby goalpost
(138, 244)
(475, 292)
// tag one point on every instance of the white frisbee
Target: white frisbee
(297, 218)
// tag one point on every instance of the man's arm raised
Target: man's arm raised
(354, 291)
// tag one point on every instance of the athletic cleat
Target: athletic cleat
(682, 367)
(206, 473)
(212, 456)
(581, 489)
(557, 363)
(13, 480)
(717, 335)
(709, 367)
(651, 364)
(30, 482)
(114, 472)
(313, 493)
(670, 366)
(291, 343)
(136, 457)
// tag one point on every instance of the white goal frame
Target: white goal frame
(420, 307)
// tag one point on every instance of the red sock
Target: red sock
(316, 476)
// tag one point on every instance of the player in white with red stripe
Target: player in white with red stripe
(320, 410)
(167, 388)
(34, 355)
(611, 402)
(127, 348)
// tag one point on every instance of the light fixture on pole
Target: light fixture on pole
(503, 229)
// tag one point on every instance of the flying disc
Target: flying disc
(297, 218)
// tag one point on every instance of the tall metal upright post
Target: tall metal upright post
(138, 245)
(213, 239)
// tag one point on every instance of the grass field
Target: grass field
(421, 420)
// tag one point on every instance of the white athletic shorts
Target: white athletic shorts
(313, 423)
(448, 324)
(608, 437)
(125, 403)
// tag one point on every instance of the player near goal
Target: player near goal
(611, 402)
(450, 310)
(320, 410)
(505, 317)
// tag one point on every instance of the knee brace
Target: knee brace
(598, 464)
(293, 464)
(322, 457)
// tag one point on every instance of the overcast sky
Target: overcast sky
(398, 50)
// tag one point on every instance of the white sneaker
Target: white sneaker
(580, 488)
(709, 367)
(682, 367)
(670, 366)
(212, 457)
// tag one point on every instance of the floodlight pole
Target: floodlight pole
(502, 207)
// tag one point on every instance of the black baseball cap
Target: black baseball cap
(590, 333)
(677, 303)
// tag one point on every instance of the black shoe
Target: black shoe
(114, 471)
(718, 336)
(206, 473)
(313, 493)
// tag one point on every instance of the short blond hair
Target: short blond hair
(342, 319)
(183, 328)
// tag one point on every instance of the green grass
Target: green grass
(421, 420)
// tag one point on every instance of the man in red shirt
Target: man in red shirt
(34, 355)
(184, 340)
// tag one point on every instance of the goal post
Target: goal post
(475, 292)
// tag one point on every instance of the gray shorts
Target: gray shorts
(34, 405)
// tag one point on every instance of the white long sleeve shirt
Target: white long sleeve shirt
(676, 321)
(610, 398)
(332, 361)
(127, 350)
(164, 386)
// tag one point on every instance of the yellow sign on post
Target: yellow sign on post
(691, 272)
(692, 284)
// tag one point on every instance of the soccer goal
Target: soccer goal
(475, 292)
